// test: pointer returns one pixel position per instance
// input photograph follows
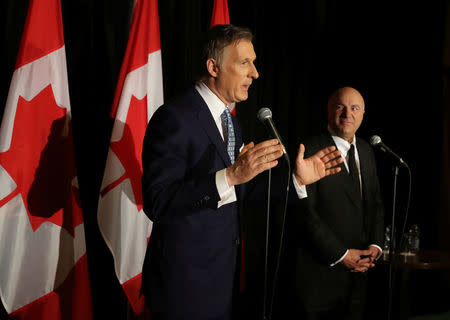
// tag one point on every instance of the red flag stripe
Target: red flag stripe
(40, 37)
(138, 94)
(52, 281)
(141, 42)
(220, 13)
(132, 289)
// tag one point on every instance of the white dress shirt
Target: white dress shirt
(217, 107)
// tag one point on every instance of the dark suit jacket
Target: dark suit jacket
(337, 220)
(191, 259)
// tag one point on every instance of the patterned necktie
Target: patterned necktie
(353, 171)
(229, 133)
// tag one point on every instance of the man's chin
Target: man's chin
(242, 97)
(344, 134)
(346, 130)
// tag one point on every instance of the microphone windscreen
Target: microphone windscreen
(374, 140)
(263, 114)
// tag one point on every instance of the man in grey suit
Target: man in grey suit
(340, 237)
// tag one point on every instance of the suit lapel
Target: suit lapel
(209, 126)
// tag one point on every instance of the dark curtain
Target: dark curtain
(444, 217)
(391, 52)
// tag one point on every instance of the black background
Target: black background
(395, 54)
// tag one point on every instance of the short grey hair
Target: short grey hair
(217, 38)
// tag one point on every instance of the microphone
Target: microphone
(265, 116)
(375, 141)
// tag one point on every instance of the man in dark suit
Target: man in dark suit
(194, 172)
(340, 237)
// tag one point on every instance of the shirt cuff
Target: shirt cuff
(227, 194)
(342, 258)
(301, 190)
(379, 250)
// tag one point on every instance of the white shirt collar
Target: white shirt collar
(215, 105)
(342, 144)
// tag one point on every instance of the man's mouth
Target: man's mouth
(346, 122)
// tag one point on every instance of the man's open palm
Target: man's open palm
(319, 165)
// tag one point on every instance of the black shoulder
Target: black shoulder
(178, 107)
(363, 144)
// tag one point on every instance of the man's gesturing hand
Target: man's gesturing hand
(253, 160)
(314, 168)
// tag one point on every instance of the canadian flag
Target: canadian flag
(220, 13)
(122, 222)
(43, 264)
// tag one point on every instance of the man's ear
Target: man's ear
(212, 67)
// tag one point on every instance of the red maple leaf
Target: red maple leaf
(129, 148)
(41, 162)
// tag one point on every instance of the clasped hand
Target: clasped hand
(360, 260)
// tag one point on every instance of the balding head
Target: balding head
(345, 112)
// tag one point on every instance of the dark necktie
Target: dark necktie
(353, 170)
(229, 133)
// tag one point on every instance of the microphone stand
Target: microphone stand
(278, 260)
(267, 245)
(392, 246)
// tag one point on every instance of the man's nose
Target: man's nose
(254, 73)
(345, 112)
